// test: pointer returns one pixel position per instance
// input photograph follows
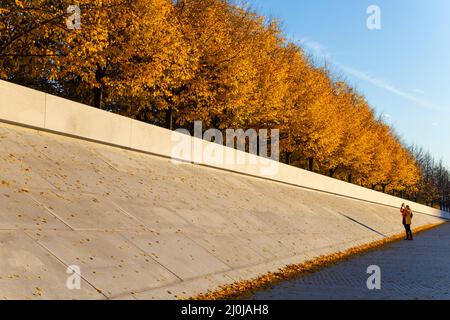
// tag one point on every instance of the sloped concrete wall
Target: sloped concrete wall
(33, 108)
(142, 227)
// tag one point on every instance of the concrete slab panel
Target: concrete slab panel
(22, 165)
(265, 245)
(21, 175)
(107, 261)
(28, 271)
(87, 211)
(19, 211)
(177, 253)
(229, 249)
(155, 218)
(122, 160)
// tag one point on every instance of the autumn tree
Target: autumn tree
(229, 44)
(31, 33)
(316, 126)
(351, 158)
(123, 49)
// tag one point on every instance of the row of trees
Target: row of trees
(434, 184)
(173, 62)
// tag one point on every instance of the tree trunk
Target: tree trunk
(288, 157)
(311, 163)
(169, 118)
(350, 178)
(98, 91)
(332, 172)
(98, 96)
(215, 122)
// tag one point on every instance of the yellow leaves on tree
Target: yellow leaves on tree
(124, 48)
(174, 62)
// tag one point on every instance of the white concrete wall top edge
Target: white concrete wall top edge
(22, 105)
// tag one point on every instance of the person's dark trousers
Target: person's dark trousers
(406, 229)
(409, 235)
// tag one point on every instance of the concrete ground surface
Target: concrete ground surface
(410, 270)
(139, 226)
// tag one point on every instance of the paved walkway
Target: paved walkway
(418, 269)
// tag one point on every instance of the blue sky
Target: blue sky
(402, 69)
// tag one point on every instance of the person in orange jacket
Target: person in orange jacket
(407, 220)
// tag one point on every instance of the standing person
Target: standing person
(407, 221)
(403, 212)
